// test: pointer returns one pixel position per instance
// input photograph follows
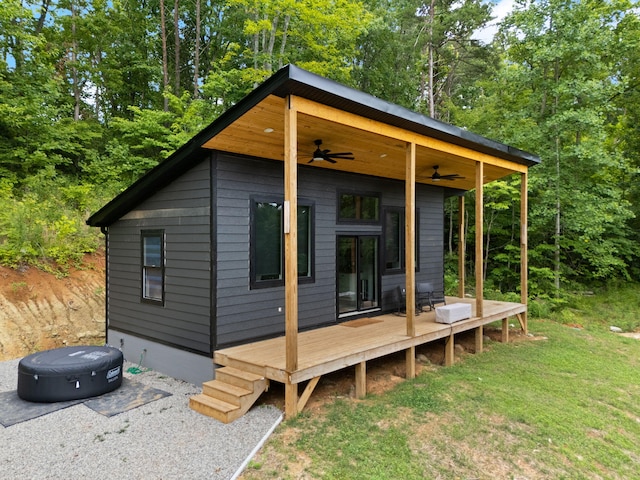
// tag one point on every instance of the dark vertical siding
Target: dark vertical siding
(183, 210)
(244, 314)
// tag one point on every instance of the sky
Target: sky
(500, 10)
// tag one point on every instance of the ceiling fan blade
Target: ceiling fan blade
(330, 160)
(451, 176)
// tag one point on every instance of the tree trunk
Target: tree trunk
(165, 60)
(74, 65)
(176, 39)
(43, 16)
(285, 29)
(196, 57)
(432, 17)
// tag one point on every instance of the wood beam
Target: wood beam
(304, 398)
(411, 362)
(505, 330)
(524, 260)
(309, 107)
(461, 247)
(479, 339)
(410, 237)
(361, 379)
(479, 239)
(449, 350)
(290, 399)
(291, 234)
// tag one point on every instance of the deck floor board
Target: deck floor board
(327, 349)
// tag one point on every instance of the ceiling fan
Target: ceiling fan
(436, 176)
(327, 156)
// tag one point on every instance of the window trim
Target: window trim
(342, 220)
(255, 284)
(143, 235)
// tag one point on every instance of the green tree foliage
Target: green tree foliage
(552, 95)
(84, 110)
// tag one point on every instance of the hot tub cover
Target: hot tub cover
(69, 373)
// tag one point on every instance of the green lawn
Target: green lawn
(563, 404)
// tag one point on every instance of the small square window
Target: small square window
(358, 208)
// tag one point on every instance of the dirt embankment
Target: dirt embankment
(39, 311)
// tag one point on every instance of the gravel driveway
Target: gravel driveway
(163, 439)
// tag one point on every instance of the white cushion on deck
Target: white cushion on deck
(453, 312)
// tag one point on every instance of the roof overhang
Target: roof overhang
(375, 131)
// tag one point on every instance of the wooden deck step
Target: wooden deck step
(225, 391)
(230, 395)
(212, 407)
(239, 378)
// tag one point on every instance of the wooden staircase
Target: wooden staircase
(230, 395)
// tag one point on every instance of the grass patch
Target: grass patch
(564, 406)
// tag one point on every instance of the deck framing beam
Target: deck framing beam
(410, 237)
(290, 215)
(524, 261)
(361, 379)
(304, 398)
(461, 247)
(479, 239)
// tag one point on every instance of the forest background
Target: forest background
(93, 93)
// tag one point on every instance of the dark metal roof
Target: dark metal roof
(291, 80)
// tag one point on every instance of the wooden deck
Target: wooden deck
(325, 350)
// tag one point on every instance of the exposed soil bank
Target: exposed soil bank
(39, 311)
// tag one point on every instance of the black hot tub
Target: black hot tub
(69, 373)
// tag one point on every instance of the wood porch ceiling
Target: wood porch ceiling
(379, 149)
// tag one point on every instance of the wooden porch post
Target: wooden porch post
(479, 238)
(461, 247)
(524, 261)
(290, 220)
(410, 252)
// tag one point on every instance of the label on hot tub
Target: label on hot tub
(95, 355)
(113, 374)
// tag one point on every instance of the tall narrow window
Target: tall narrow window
(267, 244)
(153, 266)
(393, 239)
(394, 244)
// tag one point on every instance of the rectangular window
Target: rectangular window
(267, 243)
(394, 240)
(357, 208)
(153, 266)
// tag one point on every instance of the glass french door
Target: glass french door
(358, 277)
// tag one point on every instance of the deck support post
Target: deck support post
(479, 239)
(290, 221)
(290, 399)
(505, 330)
(479, 339)
(461, 247)
(411, 362)
(290, 217)
(524, 264)
(410, 237)
(361, 379)
(449, 350)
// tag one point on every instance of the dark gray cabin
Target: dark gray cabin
(195, 257)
